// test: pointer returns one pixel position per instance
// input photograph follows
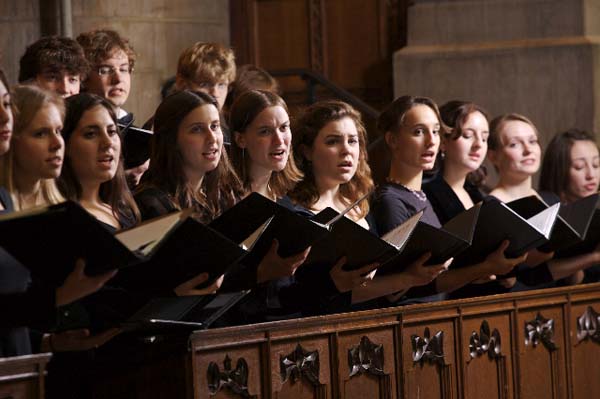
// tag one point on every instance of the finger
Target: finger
(274, 246)
(101, 279)
(199, 279)
(79, 269)
(423, 258)
(300, 257)
(503, 246)
(78, 333)
(492, 277)
(366, 270)
(339, 264)
(448, 262)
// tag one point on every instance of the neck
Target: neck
(28, 189)
(455, 178)
(259, 181)
(194, 179)
(328, 194)
(90, 193)
(516, 188)
(411, 178)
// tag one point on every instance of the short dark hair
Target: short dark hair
(53, 53)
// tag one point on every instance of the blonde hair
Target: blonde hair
(28, 101)
(206, 61)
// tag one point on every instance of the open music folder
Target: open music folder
(442, 243)
(497, 222)
(165, 251)
(293, 231)
(572, 222)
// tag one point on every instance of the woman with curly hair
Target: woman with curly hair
(330, 143)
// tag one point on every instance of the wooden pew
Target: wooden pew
(22, 377)
(537, 344)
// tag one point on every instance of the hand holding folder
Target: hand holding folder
(162, 253)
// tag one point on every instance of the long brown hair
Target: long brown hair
(221, 187)
(306, 130)
(557, 160)
(113, 192)
(243, 112)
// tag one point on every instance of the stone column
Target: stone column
(539, 58)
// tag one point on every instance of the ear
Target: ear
(180, 83)
(240, 139)
(306, 152)
(443, 144)
(390, 139)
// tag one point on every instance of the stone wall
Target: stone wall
(535, 57)
(158, 29)
(19, 26)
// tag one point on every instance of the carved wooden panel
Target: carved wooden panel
(349, 41)
(542, 353)
(22, 377)
(228, 373)
(585, 351)
(366, 364)
(425, 378)
(301, 369)
(487, 358)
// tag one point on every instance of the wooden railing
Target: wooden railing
(538, 344)
(23, 377)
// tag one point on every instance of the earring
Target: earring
(443, 154)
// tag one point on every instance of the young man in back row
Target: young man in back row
(54, 63)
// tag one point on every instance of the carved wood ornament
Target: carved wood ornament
(539, 330)
(366, 357)
(235, 380)
(300, 363)
(484, 342)
(587, 326)
(428, 349)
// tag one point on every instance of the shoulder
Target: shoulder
(549, 197)
(390, 207)
(153, 202)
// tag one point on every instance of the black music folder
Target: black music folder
(166, 250)
(136, 145)
(186, 313)
(497, 222)
(293, 231)
(443, 243)
(357, 244)
(572, 222)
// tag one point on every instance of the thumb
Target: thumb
(339, 264)
(503, 246)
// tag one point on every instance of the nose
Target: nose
(106, 141)
(116, 77)
(56, 142)
(62, 86)
(278, 138)
(5, 115)
(477, 142)
(431, 139)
